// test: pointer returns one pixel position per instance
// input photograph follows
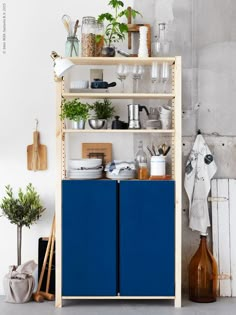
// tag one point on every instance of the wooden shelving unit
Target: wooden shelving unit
(175, 133)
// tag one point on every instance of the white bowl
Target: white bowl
(79, 84)
(87, 163)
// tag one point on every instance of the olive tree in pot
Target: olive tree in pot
(24, 210)
(115, 29)
(103, 110)
(75, 111)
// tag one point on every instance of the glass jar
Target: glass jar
(72, 46)
(99, 39)
(88, 36)
(203, 274)
(160, 45)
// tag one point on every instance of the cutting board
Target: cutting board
(36, 154)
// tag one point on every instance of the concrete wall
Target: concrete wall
(203, 32)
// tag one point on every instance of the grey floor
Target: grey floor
(226, 306)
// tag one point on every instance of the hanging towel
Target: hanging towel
(199, 171)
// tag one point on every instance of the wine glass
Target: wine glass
(165, 75)
(122, 72)
(137, 75)
(155, 75)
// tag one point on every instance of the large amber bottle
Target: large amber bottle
(203, 275)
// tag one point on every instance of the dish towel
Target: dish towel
(117, 165)
(199, 171)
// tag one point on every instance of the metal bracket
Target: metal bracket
(224, 276)
(217, 199)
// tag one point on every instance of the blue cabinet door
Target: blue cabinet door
(147, 238)
(89, 238)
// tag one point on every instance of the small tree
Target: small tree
(22, 211)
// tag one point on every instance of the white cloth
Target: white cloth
(118, 165)
(199, 171)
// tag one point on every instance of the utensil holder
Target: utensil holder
(158, 165)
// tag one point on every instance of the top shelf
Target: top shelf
(109, 61)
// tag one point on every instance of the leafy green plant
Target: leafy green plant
(22, 211)
(115, 30)
(103, 110)
(74, 110)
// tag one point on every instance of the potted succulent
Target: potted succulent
(24, 210)
(103, 111)
(115, 30)
(75, 111)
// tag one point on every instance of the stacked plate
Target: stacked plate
(85, 168)
(123, 174)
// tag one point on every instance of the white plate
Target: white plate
(85, 176)
(88, 163)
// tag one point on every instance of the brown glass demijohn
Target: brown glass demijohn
(203, 275)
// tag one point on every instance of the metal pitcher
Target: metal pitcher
(134, 115)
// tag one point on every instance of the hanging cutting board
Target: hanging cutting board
(36, 154)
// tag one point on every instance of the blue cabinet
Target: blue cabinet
(118, 238)
(89, 238)
(147, 238)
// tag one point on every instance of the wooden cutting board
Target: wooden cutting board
(36, 154)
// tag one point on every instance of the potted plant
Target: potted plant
(115, 30)
(76, 111)
(24, 210)
(103, 111)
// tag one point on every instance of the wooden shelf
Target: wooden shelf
(160, 131)
(118, 95)
(108, 61)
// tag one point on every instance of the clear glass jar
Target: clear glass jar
(88, 33)
(72, 46)
(203, 275)
(99, 39)
(160, 45)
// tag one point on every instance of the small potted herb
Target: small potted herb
(75, 111)
(115, 30)
(103, 110)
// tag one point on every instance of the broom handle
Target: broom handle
(46, 257)
(50, 259)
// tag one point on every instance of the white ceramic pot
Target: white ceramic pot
(158, 165)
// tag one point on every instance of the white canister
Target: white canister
(158, 165)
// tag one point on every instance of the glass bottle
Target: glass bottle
(99, 39)
(141, 162)
(203, 274)
(72, 46)
(161, 46)
(88, 31)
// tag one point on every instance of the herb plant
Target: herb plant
(115, 30)
(103, 110)
(24, 210)
(74, 110)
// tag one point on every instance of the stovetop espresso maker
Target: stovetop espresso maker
(134, 115)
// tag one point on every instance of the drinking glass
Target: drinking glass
(165, 75)
(122, 72)
(137, 75)
(155, 75)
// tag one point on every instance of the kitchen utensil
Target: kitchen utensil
(122, 72)
(97, 123)
(66, 20)
(167, 151)
(40, 295)
(98, 84)
(134, 116)
(158, 165)
(137, 72)
(118, 124)
(36, 154)
(155, 75)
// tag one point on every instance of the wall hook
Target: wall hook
(36, 124)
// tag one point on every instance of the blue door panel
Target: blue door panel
(146, 238)
(89, 238)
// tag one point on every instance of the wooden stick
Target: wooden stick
(50, 258)
(129, 33)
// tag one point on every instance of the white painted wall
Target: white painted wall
(27, 92)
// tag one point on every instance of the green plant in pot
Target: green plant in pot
(75, 111)
(115, 29)
(24, 210)
(103, 110)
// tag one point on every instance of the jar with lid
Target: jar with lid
(88, 36)
(160, 45)
(99, 38)
(72, 46)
